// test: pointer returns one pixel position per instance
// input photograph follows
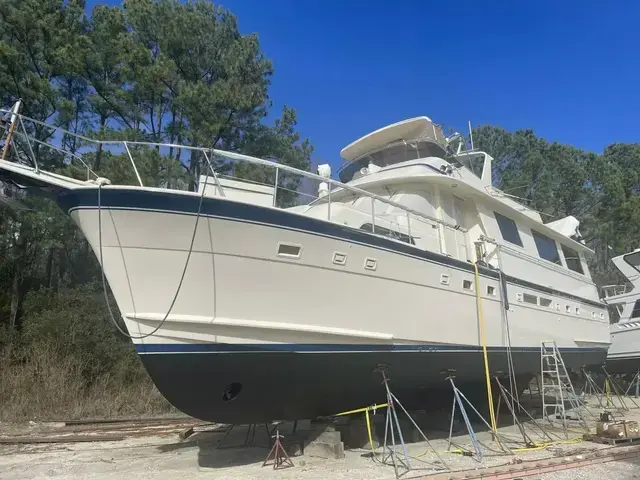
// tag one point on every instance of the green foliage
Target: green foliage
(149, 71)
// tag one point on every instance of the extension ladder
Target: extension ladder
(555, 383)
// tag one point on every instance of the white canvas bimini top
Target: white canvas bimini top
(412, 129)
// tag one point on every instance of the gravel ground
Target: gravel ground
(162, 455)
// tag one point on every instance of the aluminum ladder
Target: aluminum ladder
(556, 383)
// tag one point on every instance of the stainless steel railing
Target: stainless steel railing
(127, 148)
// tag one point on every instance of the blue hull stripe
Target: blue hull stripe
(134, 199)
(326, 348)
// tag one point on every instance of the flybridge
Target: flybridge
(411, 139)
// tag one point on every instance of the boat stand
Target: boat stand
(392, 425)
(616, 390)
(635, 381)
(511, 402)
(458, 398)
(277, 453)
(592, 388)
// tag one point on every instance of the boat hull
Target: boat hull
(288, 385)
(624, 354)
(303, 334)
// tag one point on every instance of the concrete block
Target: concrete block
(329, 450)
(355, 434)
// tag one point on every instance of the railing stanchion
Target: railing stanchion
(329, 202)
(213, 173)
(26, 137)
(133, 163)
(409, 225)
(373, 215)
(275, 187)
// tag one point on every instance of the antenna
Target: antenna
(470, 135)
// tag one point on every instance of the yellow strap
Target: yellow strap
(360, 410)
(483, 339)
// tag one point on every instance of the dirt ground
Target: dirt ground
(156, 451)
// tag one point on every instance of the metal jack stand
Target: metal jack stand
(616, 391)
(592, 388)
(635, 381)
(458, 396)
(278, 453)
(510, 400)
(391, 424)
(510, 405)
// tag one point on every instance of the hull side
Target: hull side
(624, 353)
(286, 385)
(238, 289)
(238, 292)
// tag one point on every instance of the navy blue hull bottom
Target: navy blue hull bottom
(623, 365)
(252, 387)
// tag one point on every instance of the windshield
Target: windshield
(633, 259)
(473, 162)
(391, 154)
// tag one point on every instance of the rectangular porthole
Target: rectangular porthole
(577, 310)
(370, 264)
(289, 250)
(532, 299)
(444, 279)
(339, 258)
(491, 290)
(601, 316)
(545, 302)
(567, 308)
(593, 314)
(467, 284)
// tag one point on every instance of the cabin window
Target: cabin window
(491, 290)
(532, 299)
(636, 310)
(289, 250)
(547, 248)
(368, 227)
(545, 302)
(467, 284)
(508, 229)
(572, 259)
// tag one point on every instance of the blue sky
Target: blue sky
(569, 70)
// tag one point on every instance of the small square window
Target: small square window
(339, 258)
(567, 308)
(444, 279)
(467, 284)
(370, 263)
(601, 315)
(491, 290)
(577, 310)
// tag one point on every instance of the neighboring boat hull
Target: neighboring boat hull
(624, 353)
(281, 385)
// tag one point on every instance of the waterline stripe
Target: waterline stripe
(329, 348)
